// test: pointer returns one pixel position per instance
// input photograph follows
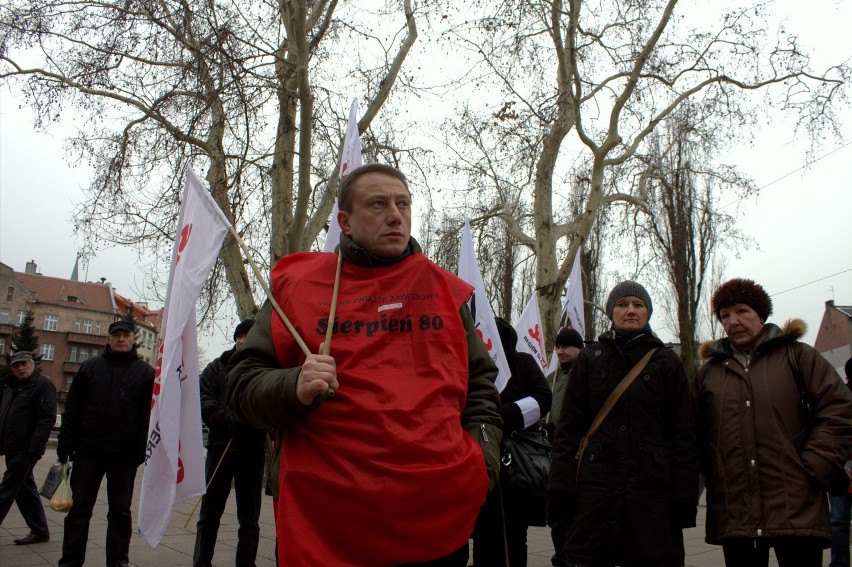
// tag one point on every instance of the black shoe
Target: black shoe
(32, 538)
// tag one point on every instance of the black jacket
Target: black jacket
(638, 481)
(222, 423)
(27, 414)
(526, 381)
(108, 406)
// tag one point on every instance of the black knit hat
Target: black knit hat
(740, 290)
(625, 289)
(568, 337)
(243, 328)
(849, 369)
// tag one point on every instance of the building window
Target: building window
(87, 326)
(10, 293)
(2, 346)
(19, 319)
(95, 352)
(4, 316)
(97, 327)
(77, 325)
(47, 352)
(84, 355)
(73, 356)
(51, 322)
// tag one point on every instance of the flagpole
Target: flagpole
(209, 482)
(326, 346)
(262, 280)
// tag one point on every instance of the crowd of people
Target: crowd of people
(386, 424)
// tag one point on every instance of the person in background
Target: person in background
(567, 345)
(235, 453)
(841, 511)
(628, 496)
(523, 404)
(775, 427)
(104, 430)
(390, 441)
(27, 414)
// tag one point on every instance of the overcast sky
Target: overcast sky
(801, 220)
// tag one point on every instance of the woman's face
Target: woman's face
(629, 314)
(742, 324)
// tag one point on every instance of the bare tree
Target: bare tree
(253, 92)
(685, 226)
(608, 73)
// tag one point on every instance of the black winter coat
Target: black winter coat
(27, 414)
(638, 483)
(222, 422)
(108, 406)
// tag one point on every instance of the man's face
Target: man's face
(566, 353)
(121, 341)
(380, 220)
(23, 369)
(239, 341)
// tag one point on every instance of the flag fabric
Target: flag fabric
(480, 308)
(530, 335)
(573, 312)
(351, 159)
(174, 460)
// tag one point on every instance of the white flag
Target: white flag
(480, 308)
(530, 335)
(351, 159)
(174, 459)
(573, 312)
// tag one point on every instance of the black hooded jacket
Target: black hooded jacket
(27, 414)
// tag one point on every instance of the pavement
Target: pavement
(175, 550)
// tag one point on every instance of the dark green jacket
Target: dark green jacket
(263, 394)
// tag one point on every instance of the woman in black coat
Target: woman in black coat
(524, 401)
(636, 487)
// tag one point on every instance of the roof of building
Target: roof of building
(141, 313)
(845, 309)
(68, 293)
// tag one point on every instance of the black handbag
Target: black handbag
(526, 460)
(54, 475)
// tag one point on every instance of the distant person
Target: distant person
(104, 430)
(523, 404)
(775, 425)
(568, 345)
(841, 512)
(393, 468)
(242, 464)
(27, 414)
(627, 497)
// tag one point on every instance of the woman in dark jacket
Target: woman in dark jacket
(768, 457)
(524, 401)
(636, 486)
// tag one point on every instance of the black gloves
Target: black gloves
(683, 515)
(62, 453)
(558, 507)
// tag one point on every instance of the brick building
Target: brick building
(70, 320)
(834, 337)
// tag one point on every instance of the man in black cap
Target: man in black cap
(27, 414)
(235, 452)
(104, 430)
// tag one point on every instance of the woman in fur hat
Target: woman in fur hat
(627, 497)
(775, 424)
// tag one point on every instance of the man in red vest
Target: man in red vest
(390, 442)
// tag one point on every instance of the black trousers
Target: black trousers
(789, 551)
(18, 486)
(87, 472)
(489, 545)
(246, 471)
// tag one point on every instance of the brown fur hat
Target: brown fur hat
(740, 290)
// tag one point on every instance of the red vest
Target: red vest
(383, 473)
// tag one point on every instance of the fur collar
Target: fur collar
(792, 330)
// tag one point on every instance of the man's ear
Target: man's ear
(343, 221)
